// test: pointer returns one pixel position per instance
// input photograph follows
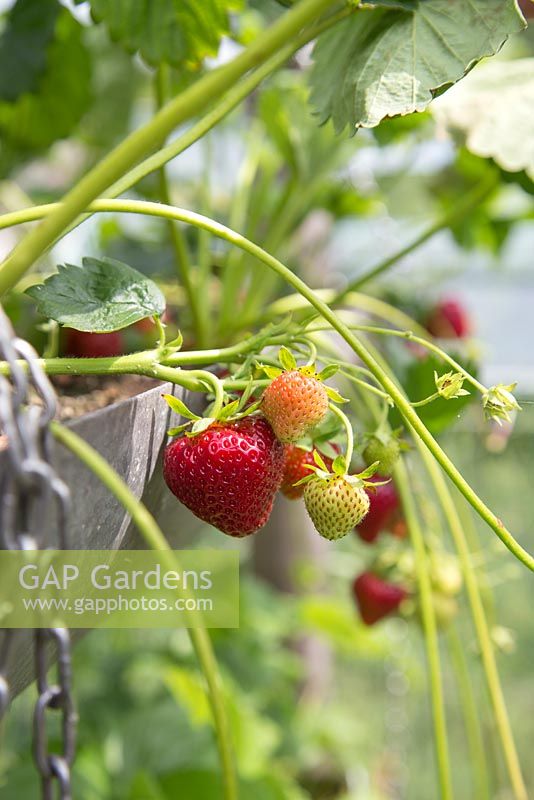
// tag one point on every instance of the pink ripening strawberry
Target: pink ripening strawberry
(448, 320)
(227, 475)
(294, 403)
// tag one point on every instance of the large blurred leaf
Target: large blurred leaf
(35, 121)
(338, 623)
(116, 81)
(23, 46)
(381, 63)
(174, 31)
(255, 737)
(481, 226)
(196, 784)
(105, 295)
(493, 110)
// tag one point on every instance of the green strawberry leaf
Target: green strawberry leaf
(178, 430)
(229, 410)
(328, 372)
(179, 407)
(250, 409)
(319, 461)
(34, 120)
(201, 425)
(370, 471)
(178, 32)
(243, 400)
(105, 295)
(339, 465)
(403, 5)
(469, 109)
(176, 343)
(28, 32)
(271, 372)
(385, 63)
(287, 359)
(308, 478)
(334, 395)
(327, 430)
(327, 449)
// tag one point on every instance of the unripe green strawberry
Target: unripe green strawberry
(445, 609)
(384, 450)
(445, 575)
(294, 403)
(335, 505)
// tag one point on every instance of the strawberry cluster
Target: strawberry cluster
(227, 469)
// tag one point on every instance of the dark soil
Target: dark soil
(80, 395)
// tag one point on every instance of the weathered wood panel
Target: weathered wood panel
(131, 436)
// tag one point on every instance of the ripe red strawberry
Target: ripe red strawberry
(294, 403)
(375, 597)
(147, 325)
(383, 510)
(335, 505)
(295, 470)
(448, 320)
(227, 475)
(81, 344)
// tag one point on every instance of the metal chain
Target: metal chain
(29, 490)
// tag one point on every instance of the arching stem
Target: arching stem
(155, 539)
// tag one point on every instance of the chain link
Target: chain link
(30, 490)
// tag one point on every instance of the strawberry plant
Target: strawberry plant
(225, 277)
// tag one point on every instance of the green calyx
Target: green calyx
(450, 385)
(499, 402)
(319, 471)
(230, 412)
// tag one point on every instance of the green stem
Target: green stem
(409, 336)
(143, 362)
(179, 245)
(364, 385)
(215, 384)
(458, 211)
(426, 401)
(388, 384)
(470, 713)
(429, 628)
(457, 529)
(348, 430)
(371, 305)
(192, 101)
(52, 344)
(482, 630)
(154, 537)
(478, 613)
(232, 276)
(162, 336)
